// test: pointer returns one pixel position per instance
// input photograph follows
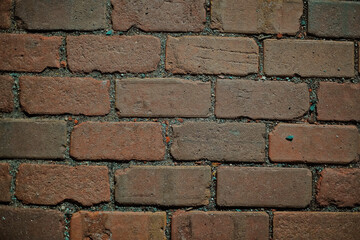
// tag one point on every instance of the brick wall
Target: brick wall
(186, 119)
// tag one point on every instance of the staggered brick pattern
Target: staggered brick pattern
(179, 119)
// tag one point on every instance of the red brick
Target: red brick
(316, 225)
(160, 16)
(49, 184)
(168, 97)
(263, 187)
(340, 187)
(219, 225)
(29, 52)
(55, 95)
(236, 142)
(133, 54)
(314, 143)
(334, 18)
(61, 15)
(117, 141)
(5, 182)
(118, 225)
(260, 100)
(263, 16)
(31, 223)
(308, 58)
(5, 14)
(164, 186)
(212, 55)
(339, 102)
(6, 95)
(40, 139)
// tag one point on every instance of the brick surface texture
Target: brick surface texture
(5, 14)
(5, 182)
(6, 94)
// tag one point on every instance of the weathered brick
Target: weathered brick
(55, 95)
(236, 142)
(262, 16)
(61, 15)
(314, 143)
(47, 184)
(316, 225)
(29, 52)
(40, 139)
(263, 187)
(118, 225)
(164, 186)
(308, 58)
(339, 102)
(117, 141)
(168, 97)
(161, 16)
(31, 223)
(212, 55)
(5, 14)
(260, 100)
(136, 54)
(334, 18)
(340, 187)
(219, 225)
(6, 95)
(5, 182)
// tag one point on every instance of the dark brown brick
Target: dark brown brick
(314, 143)
(262, 16)
(47, 184)
(40, 139)
(6, 94)
(55, 95)
(168, 97)
(5, 182)
(340, 187)
(135, 54)
(164, 186)
(117, 141)
(5, 14)
(236, 142)
(61, 15)
(212, 55)
(316, 225)
(219, 225)
(309, 58)
(260, 100)
(30, 224)
(263, 187)
(29, 52)
(118, 225)
(160, 16)
(334, 18)
(339, 102)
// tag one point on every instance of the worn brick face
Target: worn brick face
(260, 100)
(219, 225)
(236, 142)
(5, 182)
(308, 58)
(263, 187)
(118, 225)
(339, 102)
(211, 55)
(314, 143)
(6, 94)
(55, 95)
(51, 184)
(316, 225)
(39, 139)
(29, 52)
(164, 186)
(168, 97)
(262, 16)
(5, 14)
(109, 54)
(160, 16)
(63, 15)
(117, 141)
